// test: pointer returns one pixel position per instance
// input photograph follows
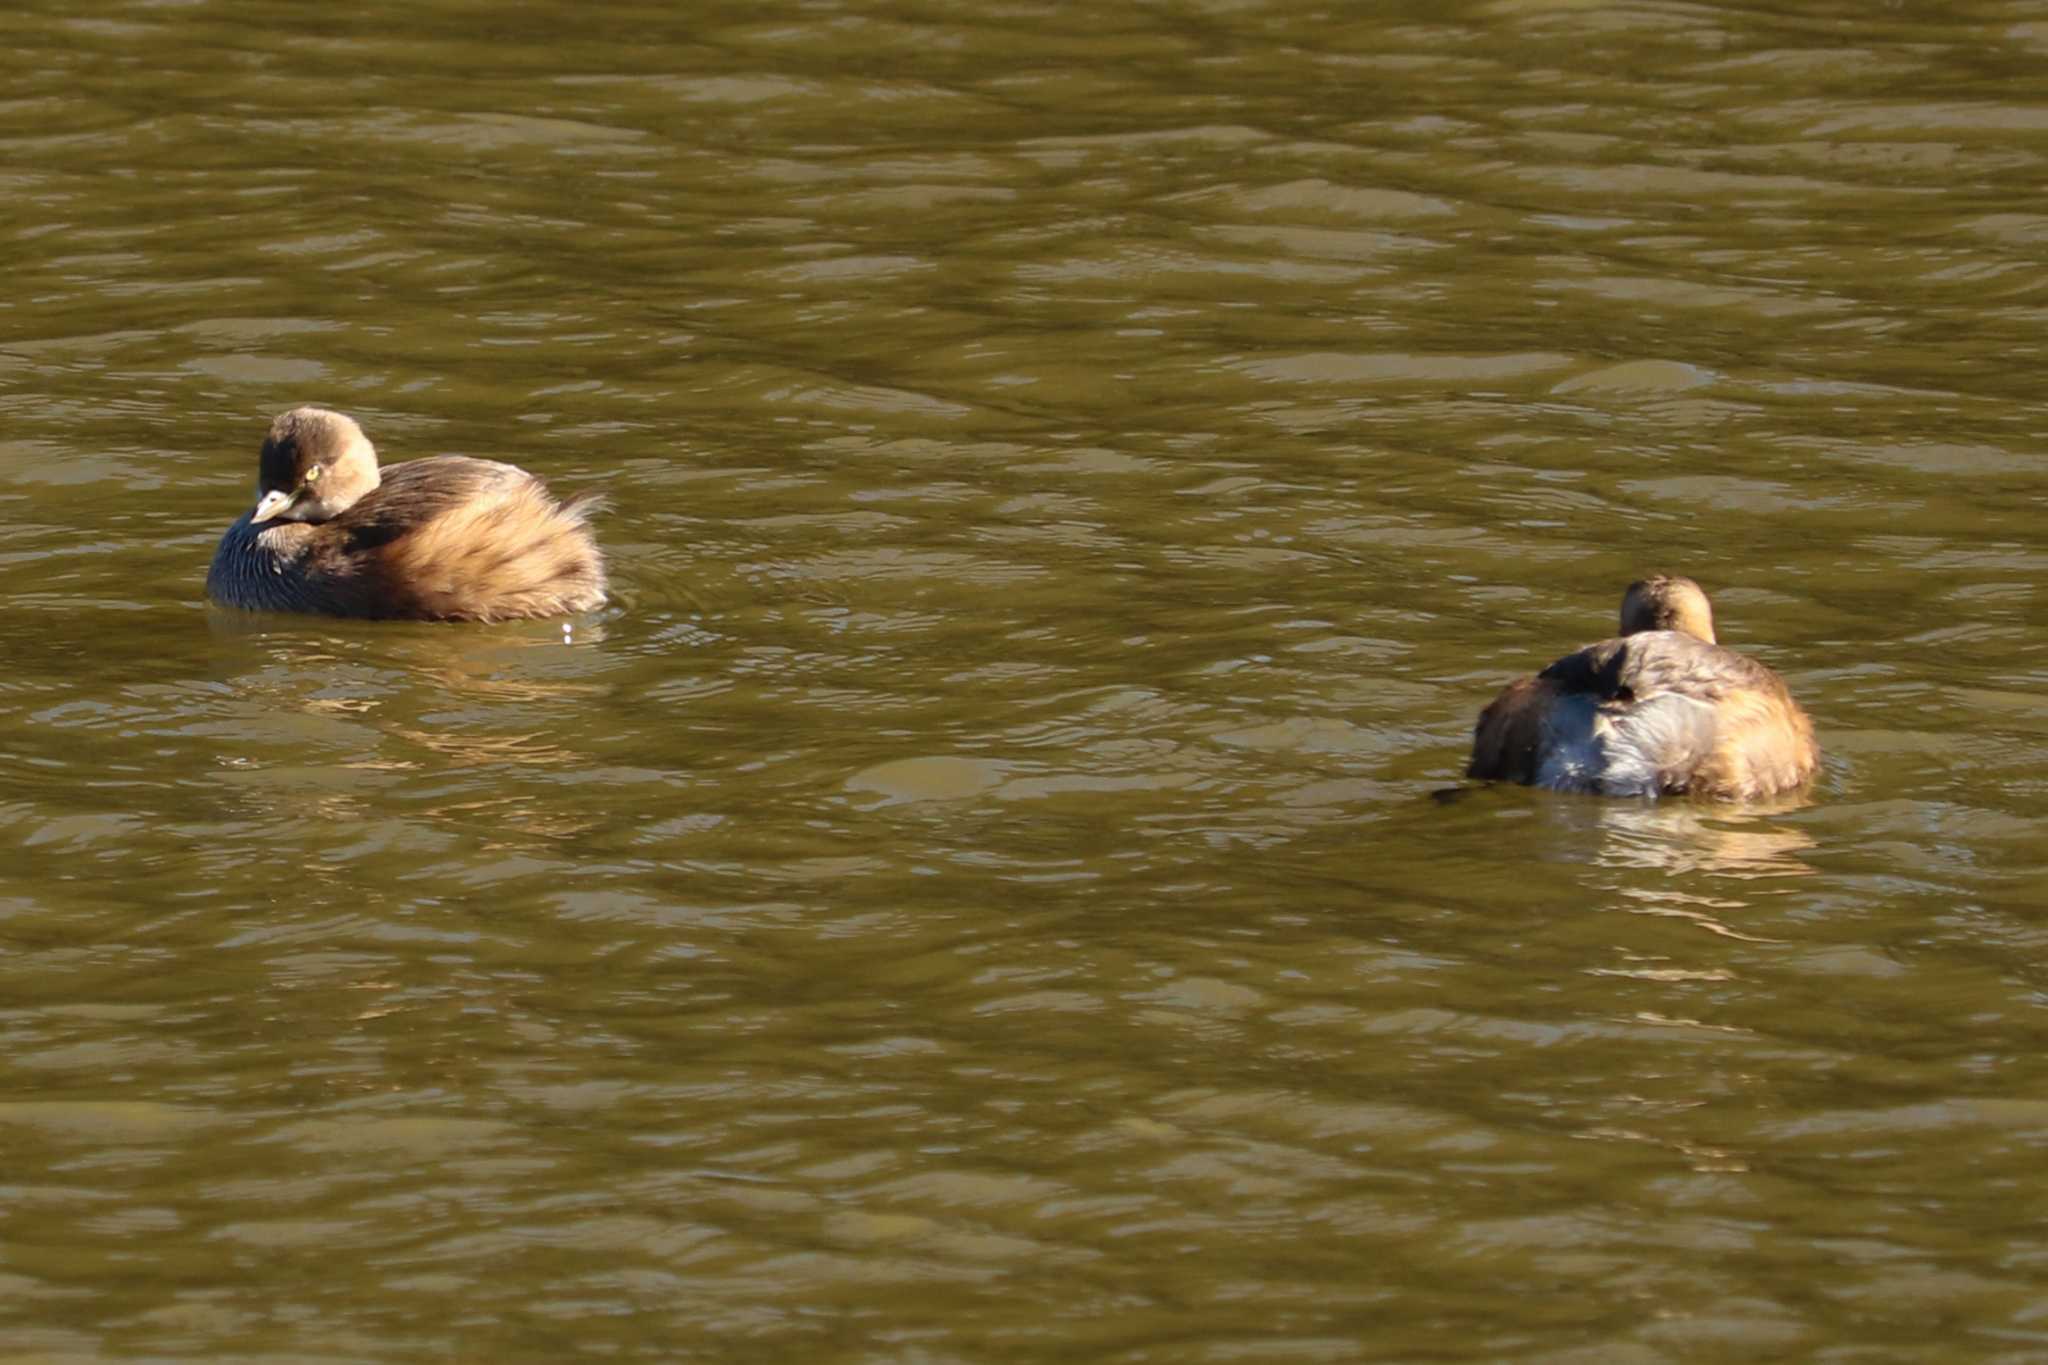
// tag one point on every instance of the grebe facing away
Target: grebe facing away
(1660, 711)
(443, 539)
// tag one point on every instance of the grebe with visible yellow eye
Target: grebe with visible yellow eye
(447, 538)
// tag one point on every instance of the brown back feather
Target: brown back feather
(1507, 743)
(452, 538)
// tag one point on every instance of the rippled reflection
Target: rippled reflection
(1678, 837)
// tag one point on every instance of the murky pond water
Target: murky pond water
(983, 890)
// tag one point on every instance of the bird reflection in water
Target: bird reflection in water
(1680, 838)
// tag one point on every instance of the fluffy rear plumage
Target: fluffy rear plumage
(508, 550)
(1655, 712)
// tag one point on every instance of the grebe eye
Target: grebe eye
(313, 474)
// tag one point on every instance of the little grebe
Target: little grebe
(446, 539)
(1660, 711)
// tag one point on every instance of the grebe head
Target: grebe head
(1667, 603)
(316, 464)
